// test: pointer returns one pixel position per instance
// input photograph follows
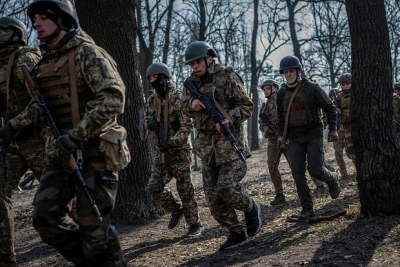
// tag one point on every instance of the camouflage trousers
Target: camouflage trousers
(338, 147)
(310, 153)
(28, 153)
(350, 151)
(177, 166)
(276, 178)
(89, 242)
(224, 193)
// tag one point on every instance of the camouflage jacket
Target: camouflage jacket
(178, 125)
(13, 104)
(101, 91)
(225, 86)
(269, 109)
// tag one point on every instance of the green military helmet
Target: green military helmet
(290, 62)
(197, 50)
(158, 68)
(18, 33)
(269, 82)
(345, 78)
(66, 17)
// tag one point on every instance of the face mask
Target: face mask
(160, 85)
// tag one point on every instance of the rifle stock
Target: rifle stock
(71, 163)
(215, 115)
(265, 119)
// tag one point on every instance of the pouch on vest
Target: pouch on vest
(115, 148)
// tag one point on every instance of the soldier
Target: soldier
(299, 102)
(340, 144)
(396, 87)
(343, 103)
(222, 168)
(268, 109)
(21, 143)
(85, 93)
(175, 146)
(396, 107)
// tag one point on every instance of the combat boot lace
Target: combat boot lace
(234, 240)
(195, 230)
(279, 200)
(175, 218)
(334, 188)
(253, 220)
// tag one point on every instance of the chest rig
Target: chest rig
(7, 107)
(57, 83)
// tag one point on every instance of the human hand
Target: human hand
(224, 122)
(151, 124)
(197, 105)
(67, 143)
(280, 143)
(333, 136)
(37, 115)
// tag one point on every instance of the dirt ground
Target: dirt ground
(350, 240)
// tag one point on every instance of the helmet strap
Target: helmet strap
(50, 38)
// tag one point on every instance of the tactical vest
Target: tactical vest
(301, 113)
(53, 80)
(344, 99)
(11, 102)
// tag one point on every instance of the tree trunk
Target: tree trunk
(254, 145)
(373, 131)
(113, 27)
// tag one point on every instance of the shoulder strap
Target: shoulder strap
(73, 87)
(284, 137)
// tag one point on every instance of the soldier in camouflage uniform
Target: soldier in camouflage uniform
(21, 141)
(77, 75)
(222, 168)
(340, 144)
(343, 100)
(396, 107)
(176, 148)
(270, 87)
(299, 102)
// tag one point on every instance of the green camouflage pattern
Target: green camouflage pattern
(26, 150)
(338, 146)
(270, 110)
(222, 170)
(177, 158)
(344, 100)
(87, 242)
(230, 93)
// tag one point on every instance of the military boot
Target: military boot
(8, 260)
(334, 188)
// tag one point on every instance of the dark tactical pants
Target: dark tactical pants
(311, 152)
(224, 192)
(88, 242)
(27, 154)
(177, 165)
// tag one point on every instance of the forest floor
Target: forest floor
(349, 240)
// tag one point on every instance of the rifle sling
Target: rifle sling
(8, 78)
(220, 108)
(284, 137)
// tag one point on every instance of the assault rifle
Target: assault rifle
(4, 155)
(71, 163)
(265, 119)
(215, 115)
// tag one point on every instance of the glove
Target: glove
(67, 144)
(36, 115)
(151, 124)
(333, 136)
(6, 134)
(281, 145)
(165, 147)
